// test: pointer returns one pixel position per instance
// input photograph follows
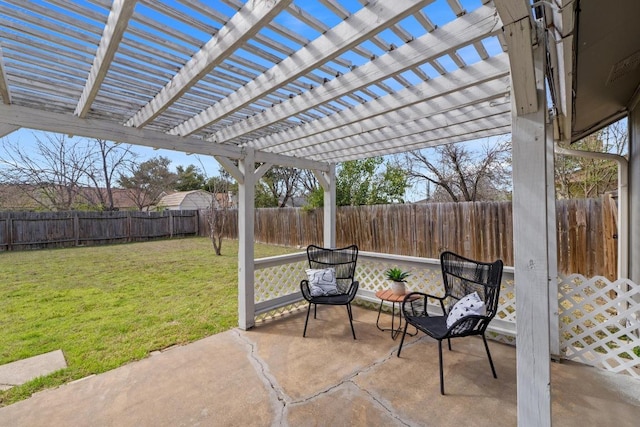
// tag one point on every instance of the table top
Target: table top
(388, 295)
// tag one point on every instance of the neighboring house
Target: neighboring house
(122, 198)
(23, 197)
(18, 197)
(294, 202)
(186, 200)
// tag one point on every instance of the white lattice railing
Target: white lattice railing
(599, 322)
(277, 284)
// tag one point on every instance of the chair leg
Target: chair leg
(351, 320)
(404, 333)
(486, 346)
(315, 311)
(449, 343)
(441, 368)
(306, 321)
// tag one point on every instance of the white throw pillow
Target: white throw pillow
(468, 305)
(322, 282)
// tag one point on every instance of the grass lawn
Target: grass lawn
(106, 306)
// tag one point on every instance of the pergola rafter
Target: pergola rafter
(488, 116)
(271, 107)
(245, 24)
(4, 87)
(472, 84)
(116, 25)
(480, 24)
(344, 36)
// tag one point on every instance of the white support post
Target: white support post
(327, 181)
(246, 215)
(552, 244)
(634, 191)
(330, 209)
(531, 253)
(633, 208)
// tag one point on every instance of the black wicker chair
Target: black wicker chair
(461, 276)
(343, 260)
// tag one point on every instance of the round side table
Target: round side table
(389, 296)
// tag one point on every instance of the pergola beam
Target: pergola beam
(5, 94)
(516, 19)
(243, 25)
(16, 116)
(472, 27)
(487, 126)
(563, 23)
(407, 134)
(404, 118)
(446, 137)
(96, 128)
(121, 12)
(368, 21)
(6, 129)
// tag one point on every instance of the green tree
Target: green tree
(189, 178)
(148, 181)
(365, 182)
(369, 182)
(581, 177)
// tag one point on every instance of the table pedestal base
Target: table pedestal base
(388, 295)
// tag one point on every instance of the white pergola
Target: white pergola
(312, 83)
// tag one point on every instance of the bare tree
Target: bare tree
(459, 173)
(217, 212)
(277, 187)
(109, 160)
(52, 174)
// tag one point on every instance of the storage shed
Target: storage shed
(186, 200)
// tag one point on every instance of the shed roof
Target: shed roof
(176, 199)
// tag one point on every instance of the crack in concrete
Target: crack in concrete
(278, 397)
(281, 401)
(383, 404)
(350, 378)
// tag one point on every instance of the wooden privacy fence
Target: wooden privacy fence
(34, 230)
(586, 230)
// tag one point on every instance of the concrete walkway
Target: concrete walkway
(271, 376)
(22, 371)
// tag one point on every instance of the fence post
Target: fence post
(76, 228)
(170, 224)
(129, 226)
(9, 233)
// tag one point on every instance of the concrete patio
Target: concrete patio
(271, 376)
